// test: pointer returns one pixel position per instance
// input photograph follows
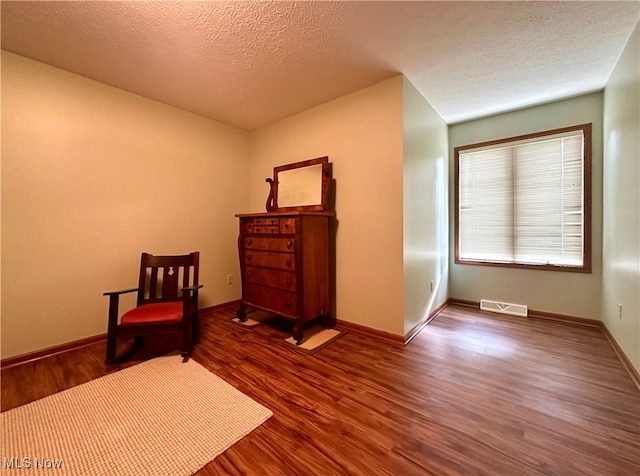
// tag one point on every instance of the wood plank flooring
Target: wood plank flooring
(473, 393)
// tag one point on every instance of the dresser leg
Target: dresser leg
(298, 332)
(330, 321)
(241, 313)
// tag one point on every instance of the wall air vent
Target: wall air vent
(503, 307)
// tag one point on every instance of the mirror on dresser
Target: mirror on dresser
(286, 258)
(301, 186)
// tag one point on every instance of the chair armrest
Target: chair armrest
(193, 288)
(114, 298)
(190, 296)
(124, 291)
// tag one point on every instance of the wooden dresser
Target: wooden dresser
(285, 264)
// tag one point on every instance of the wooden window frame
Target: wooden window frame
(587, 197)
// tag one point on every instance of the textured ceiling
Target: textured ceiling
(252, 63)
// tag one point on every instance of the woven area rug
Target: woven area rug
(161, 417)
(315, 339)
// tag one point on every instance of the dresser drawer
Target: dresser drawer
(287, 225)
(268, 244)
(274, 299)
(260, 225)
(270, 260)
(271, 277)
(262, 229)
(266, 221)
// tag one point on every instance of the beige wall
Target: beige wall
(426, 226)
(91, 177)
(573, 294)
(362, 135)
(621, 220)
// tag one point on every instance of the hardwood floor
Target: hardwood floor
(473, 393)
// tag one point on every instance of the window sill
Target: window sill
(586, 269)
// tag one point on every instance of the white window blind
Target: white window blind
(523, 202)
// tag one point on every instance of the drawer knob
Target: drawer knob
(248, 274)
(288, 304)
(249, 225)
(249, 257)
(288, 281)
(289, 244)
(288, 262)
(258, 229)
(286, 224)
(249, 241)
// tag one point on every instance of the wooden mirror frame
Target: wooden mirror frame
(272, 199)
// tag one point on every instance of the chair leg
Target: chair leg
(195, 330)
(185, 352)
(111, 349)
(187, 339)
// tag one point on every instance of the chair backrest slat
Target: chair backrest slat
(160, 277)
(169, 282)
(185, 277)
(153, 283)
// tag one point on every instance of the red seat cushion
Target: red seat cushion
(151, 313)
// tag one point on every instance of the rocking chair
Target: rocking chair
(167, 303)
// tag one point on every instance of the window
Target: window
(526, 201)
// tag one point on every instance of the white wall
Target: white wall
(621, 224)
(425, 202)
(362, 135)
(91, 177)
(573, 294)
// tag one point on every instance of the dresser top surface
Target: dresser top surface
(283, 214)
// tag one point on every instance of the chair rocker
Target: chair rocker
(167, 303)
